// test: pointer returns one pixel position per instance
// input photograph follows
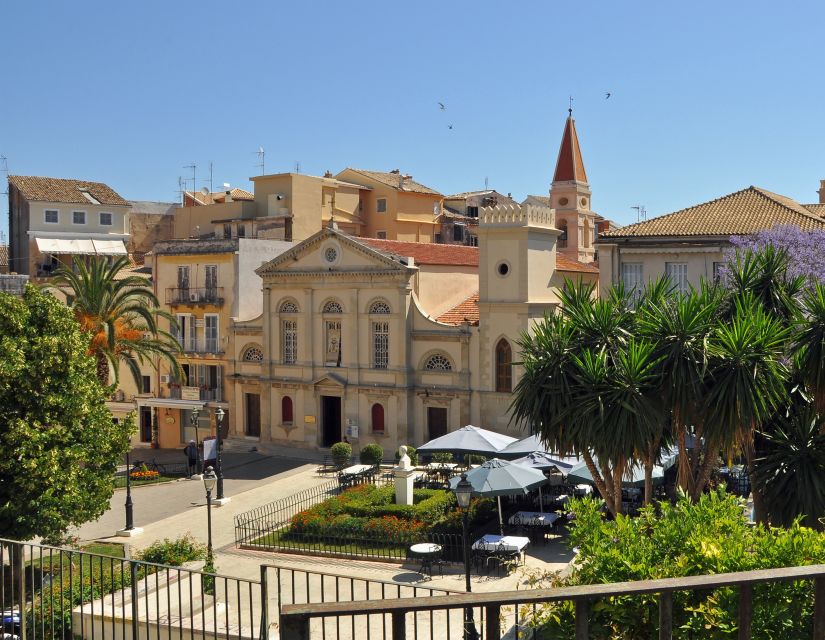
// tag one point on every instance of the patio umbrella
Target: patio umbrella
(521, 448)
(544, 461)
(501, 478)
(635, 477)
(468, 439)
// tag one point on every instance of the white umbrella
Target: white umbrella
(634, 477)
(547, 462)
(521, 448)
(501, 478)
(468, 439)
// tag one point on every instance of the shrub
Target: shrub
(371, 454)
(174, 552)
(411, 452)
(707, 537)
(442, 456)
(341, 453)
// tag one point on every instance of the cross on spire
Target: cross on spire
(570, 108)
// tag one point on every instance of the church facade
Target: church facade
(397, 343)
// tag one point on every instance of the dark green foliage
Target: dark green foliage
(174, 552)
(371, 454)
(341, 453)
(442, 456)
(60, 446)
(707, 537)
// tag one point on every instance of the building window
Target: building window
(241, 231)
(146, 384)
(51, 216)
(458, 233)
(504, 367)
(105, 219)
(381, 235)
(677, 273)
(210, 331)
(438, 362)
(286, 410)
(253, 354)
(377, 418)
(632, 277)
(381, 205)
(333, 306)
(288, 306)
(289, 341)
(78, 217)
(562, 241)
(380, 307)
(472, 212)
(227, 231)
(380, 345)
(211, 280)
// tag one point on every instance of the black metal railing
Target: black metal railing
(49, 593)
(194, 295)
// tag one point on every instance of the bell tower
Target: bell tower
(570, 197)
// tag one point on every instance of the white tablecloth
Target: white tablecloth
(508, 543)
(533, 518)
(355, 469)
(425, 548)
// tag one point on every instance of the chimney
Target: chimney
(821, 192)
(228, 196)
(327, 173)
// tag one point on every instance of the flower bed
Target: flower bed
(144, 475)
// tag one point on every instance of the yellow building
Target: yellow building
(396, 207)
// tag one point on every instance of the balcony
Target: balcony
(206, 394)
(200, 345)
(193, 296)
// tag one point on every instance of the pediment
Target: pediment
(330, 250)
(330, 380)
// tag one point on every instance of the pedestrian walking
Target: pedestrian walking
(191, 451)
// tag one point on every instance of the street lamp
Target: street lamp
(209, 480)
(193, 419)
(130, 520)
(463, 492)
(219, 413)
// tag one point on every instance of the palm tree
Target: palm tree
(119, 314)
(809, 343)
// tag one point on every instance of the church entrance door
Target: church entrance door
(330, 420)
(436, 422)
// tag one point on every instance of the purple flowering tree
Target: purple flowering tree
(806, 248)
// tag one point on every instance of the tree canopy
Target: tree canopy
(59, 444)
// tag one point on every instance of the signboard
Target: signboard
(190, 393)
(309, 419)
(209, 451)
(352, 431)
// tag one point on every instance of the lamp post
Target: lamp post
(463, 493)
(130, 520)
(194, 421)
(209, 480)
(219, 413)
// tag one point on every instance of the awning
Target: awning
(60, 246)
(110, 247)
(170, 403)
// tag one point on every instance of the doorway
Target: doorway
(252, 427)
(436, 422)
(330, 420)
(146, 424)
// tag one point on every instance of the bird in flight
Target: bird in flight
(450, 127)
(607, 95)
(442, 106)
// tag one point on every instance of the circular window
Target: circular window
(503, 269)
(563, 201)
(331, 254)
(584, 202)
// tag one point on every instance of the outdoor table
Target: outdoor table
(508, 543)
(355, 470)
(427, 552)
(441, 466)
(582, 490)
(533, 519)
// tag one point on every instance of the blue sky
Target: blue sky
(707, 97)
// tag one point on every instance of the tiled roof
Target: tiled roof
(816, 209)
(220, 196)
(563, 263)
(395, 180)
(742, 212)
(38, 189)
(466, 311)
(545, 200)
(570, 165)
(426, 252)
(134, 270)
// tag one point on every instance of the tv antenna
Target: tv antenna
(181, 190)
(641, 212)
(261, 157)
(486, 183)
(297, 166)
(210, 176)
(194, 168)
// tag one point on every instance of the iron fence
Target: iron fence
(49, 593)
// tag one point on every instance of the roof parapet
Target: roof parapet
(517, 215)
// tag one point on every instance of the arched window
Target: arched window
(438, 362)
(333, 306)
(378, 418)
(289, 341)
(380, 345)
(286, 410)
(288, 306)
(379, 307)
(562, 241)
(504, 367)
(253, 354)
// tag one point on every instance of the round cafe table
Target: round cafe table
(428, 552)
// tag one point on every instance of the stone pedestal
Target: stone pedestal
(219, 502)
(403, 485)
(129, 533)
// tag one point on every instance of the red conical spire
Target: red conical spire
(570, 165)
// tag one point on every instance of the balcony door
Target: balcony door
(436, 422)
(252, 427)
(210, 328)
(211, 273)
(183, 283)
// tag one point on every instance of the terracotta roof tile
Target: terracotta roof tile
(739, 213)
(816, 209)
(563, 263)
(466, 311)
(38, 189)
(426, 252)
(396, 180)
(219, 196)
